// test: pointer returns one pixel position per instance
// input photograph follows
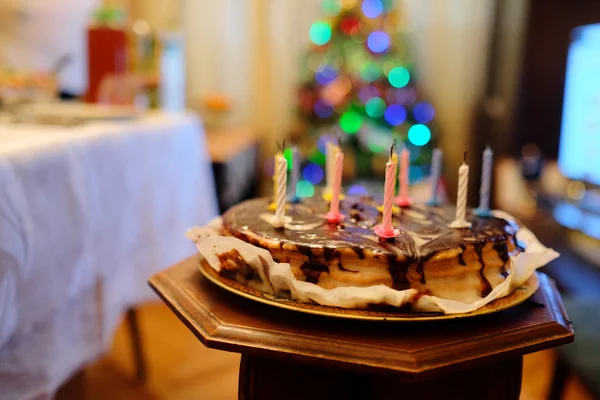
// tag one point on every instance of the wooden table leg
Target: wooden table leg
(266, 379)
(74, 388)
(133, 322)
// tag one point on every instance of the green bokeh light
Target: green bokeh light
(317, 157)
(370, 72)
(287, 153)
(331, 7)
(350, 122)
(305, 189)
(320, 33)
(399, 77)
(375, 107)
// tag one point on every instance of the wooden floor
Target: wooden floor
(180, 367)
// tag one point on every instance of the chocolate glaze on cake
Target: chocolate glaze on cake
(424, 236)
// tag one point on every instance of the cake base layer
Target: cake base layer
(455, 264)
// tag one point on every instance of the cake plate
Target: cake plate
(517, 297)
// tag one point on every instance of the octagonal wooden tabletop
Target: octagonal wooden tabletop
(226, 321)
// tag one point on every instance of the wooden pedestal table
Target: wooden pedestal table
(291, 355)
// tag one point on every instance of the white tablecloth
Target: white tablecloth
(87, 214)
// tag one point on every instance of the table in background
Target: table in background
(292, 355)
(234, 155)
(87, 214)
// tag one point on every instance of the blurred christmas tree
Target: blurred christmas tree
(359, 82)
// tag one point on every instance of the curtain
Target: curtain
(252, 51)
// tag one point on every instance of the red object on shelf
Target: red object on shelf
(107, 54)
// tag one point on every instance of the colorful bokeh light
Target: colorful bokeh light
(325, 74)
(419, 135)
(313, 173)
(349, 25)
(423, 112)
(378, 41)
(399, 77)
(322, 142)
(331, 8)
(372, 8)
(415, 174)
(370, 72)
(367, 92)
(375, 107)
(350, 122)
(287, 153)
(322, 109)
(317, 157)
(395, 114)
(415, 151)
(304, 189)
(320, 33)
(357, 190)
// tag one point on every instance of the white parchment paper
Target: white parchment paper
(210, 244)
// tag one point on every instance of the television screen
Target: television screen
(579, 152)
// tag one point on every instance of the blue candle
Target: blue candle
(294, 173)
(486, 182)
(436, 171)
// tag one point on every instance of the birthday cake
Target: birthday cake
(455, 264)
(357, 252)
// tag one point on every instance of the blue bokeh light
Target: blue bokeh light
(419, 135)
(378, 41)
(372, 8)
(423, 112)
(313, 173)
(357, 190)
(322, 109)
(325, 74)
(395, 114)
(415, 174)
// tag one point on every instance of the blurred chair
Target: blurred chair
(582, 357)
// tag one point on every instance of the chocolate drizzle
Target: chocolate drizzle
(398, 270)
(312, 270)
(486, 286)
(461, 255)
(502, 250)
(424, 234)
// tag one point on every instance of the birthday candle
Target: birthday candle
(486, 179)
(329, 162)
(436, 169)
(461, 197)
(385, 229)
(281, 172)
(334, 215)
(294, 173)
(403, 200)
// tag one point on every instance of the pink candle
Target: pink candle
(386, 230)
(403, 200)
(334, 216)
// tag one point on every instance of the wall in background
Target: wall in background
(251, 49)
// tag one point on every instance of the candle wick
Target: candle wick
(339, 140)
(465, 158)
(283, 148)
(393, 148)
